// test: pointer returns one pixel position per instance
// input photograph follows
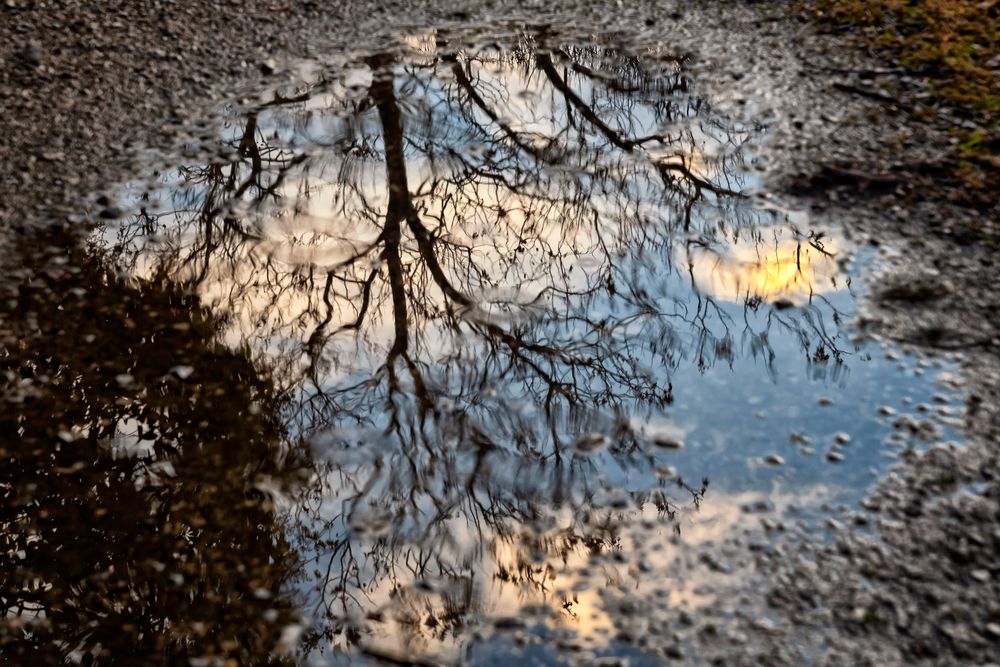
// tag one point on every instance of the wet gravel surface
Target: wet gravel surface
(912, 576)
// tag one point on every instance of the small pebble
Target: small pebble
(834, 457)
(591, 443)
(758, 506)
(31, 54)
(667, 442)
(666, 471)
(182, 372)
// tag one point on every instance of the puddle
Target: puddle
(538, 333)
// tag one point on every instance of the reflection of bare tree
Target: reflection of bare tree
(482, 257)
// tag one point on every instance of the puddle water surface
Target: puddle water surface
(536, 334)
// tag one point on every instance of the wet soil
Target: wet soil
(915, 566)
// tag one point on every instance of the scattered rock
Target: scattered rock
(591, 443)
(30, 54)
(182, 372)
(799, 438)
(758, 506)
(667, 442)
(980, 575)
(666, 471)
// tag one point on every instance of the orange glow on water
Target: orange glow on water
(788, 269)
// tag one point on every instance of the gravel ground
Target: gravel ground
(87, 87)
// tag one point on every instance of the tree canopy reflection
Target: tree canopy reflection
(471, 273)
(139, 462)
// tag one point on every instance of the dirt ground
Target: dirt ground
(915, 579)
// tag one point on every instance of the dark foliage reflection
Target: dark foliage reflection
(139, 460)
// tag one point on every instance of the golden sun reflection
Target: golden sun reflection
(783, 268)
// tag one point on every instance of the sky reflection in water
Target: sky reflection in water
(518, 304)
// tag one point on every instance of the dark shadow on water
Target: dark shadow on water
(139, 458)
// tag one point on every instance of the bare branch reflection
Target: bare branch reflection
(472, 274)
